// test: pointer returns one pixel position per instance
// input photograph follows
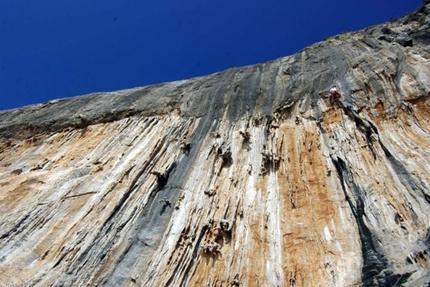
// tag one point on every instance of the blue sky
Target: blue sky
(52, 49)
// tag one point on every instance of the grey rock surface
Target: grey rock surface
(246, 177)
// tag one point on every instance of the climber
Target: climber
(334, 93)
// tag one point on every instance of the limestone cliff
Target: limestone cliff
(247, 177)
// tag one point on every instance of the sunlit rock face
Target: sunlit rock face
(247, 177)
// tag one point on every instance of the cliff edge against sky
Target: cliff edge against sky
(247, 177)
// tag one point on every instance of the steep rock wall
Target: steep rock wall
(248, 177)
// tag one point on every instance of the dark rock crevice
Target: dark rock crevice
(152, 224)
(403, 174)
(376, 268)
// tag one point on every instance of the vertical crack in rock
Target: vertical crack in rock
(194, 256)
(177, 176)
(364, 125)
(153, 221)
(376, 269)
(407, 180)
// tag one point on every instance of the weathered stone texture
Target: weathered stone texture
(247, 177)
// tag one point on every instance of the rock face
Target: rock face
(247, 177)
